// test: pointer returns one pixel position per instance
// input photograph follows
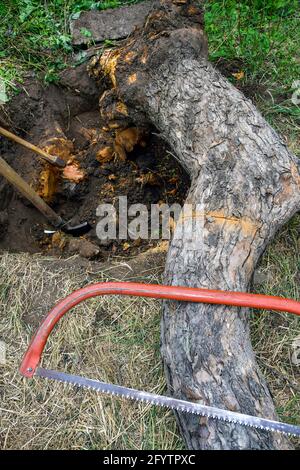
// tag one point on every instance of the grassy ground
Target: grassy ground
(114, 339)
(117, 339)
(260, 39)
(35, 36)
(262, 35)
(273, 335)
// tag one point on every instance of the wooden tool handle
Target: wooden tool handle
(49, 158)
(24, 188)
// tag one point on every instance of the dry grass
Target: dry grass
(110, 338)
(273, 334)
(117, 339)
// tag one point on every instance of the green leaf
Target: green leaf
(85, 32)
(26, 11)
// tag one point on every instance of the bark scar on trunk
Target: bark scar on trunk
(246, 184)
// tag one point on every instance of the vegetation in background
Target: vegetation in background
(274, 334)
(262, 37)
(35, 36)
(262, 34)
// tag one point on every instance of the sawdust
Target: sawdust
(73, 172)
(48, 183)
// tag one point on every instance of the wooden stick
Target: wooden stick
(49, 158)
(23, 187)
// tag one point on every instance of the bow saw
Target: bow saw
(29, 366)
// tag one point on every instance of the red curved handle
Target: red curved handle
(239, 299)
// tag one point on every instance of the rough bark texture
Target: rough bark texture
(247, 184)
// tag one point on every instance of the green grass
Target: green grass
(261, 38)
(263, 35)
(35, 36)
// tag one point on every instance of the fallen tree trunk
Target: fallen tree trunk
(246, 184)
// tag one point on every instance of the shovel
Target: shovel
(24, 188)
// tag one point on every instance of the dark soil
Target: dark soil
(70, 112)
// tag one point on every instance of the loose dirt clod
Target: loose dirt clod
(85, 248)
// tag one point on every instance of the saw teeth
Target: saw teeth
(163, 402)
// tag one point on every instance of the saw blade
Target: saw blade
(170, 402)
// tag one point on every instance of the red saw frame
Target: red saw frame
(34, 352)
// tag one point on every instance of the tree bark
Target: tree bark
(247, 185)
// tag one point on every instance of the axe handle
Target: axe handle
(20, 184)
(49, 158)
